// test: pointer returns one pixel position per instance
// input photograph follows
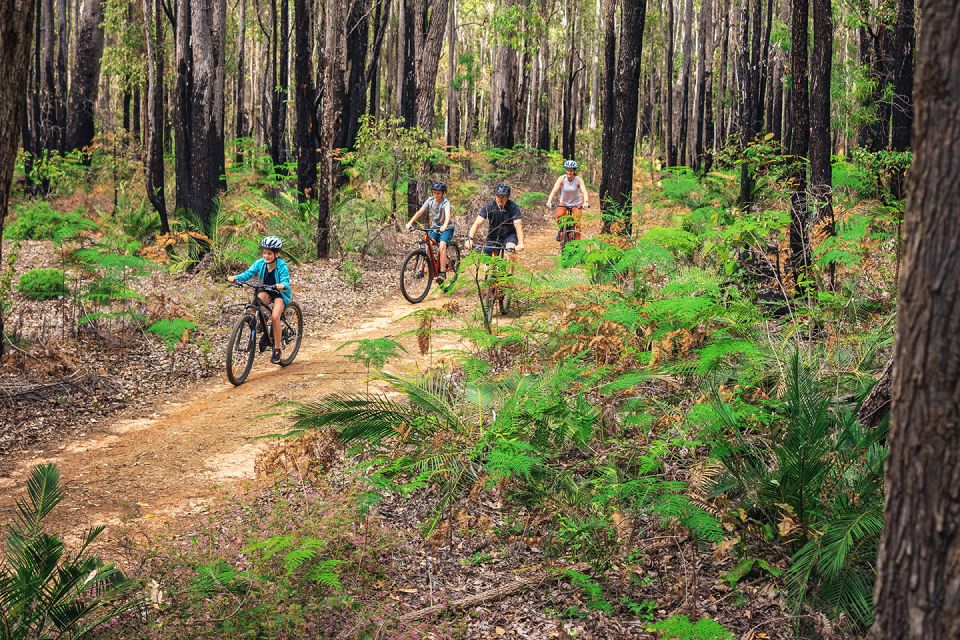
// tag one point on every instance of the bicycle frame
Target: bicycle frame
(262, 310)
(430, 243)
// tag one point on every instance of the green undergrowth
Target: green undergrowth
(651, 384)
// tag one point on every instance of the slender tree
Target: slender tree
(799, 142)
(86, 75)
(620, 130)
(306, 102)
(821, 168)
(16, 22)
(503, 88)
(153, 158)
(919, 561)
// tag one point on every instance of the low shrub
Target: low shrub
(40, 221)
(43, 284)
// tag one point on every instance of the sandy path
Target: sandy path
(156, 470)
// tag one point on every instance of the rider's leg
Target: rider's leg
(278, 307)
(443, 256)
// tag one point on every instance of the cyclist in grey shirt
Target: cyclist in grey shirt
(441, 221)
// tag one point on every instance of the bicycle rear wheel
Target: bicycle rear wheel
(240, 350)
(291, 331)
(489, 298)
(416, 276)
(453, 260)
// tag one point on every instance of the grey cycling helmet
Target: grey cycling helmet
(440, 185)
(501, 189)
(271, 242)
(571, 164)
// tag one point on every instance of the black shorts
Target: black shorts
(496, 245)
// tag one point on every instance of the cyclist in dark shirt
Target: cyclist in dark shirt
(504, 221)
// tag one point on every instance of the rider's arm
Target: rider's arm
(283, 276)
(416, 216)
(518, 225)
(586, 195)
(556, 189)
(254, 269)
(475, 227)
(446, 218)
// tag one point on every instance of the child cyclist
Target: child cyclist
(573, 194)
(271, 270)
(441, 222)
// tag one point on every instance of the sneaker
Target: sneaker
(276, 356)
(558, 236)
(440, 277)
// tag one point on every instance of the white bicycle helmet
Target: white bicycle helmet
(571, 164)
(271, 242)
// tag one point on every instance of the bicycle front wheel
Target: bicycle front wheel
(240, 350)
(416, 276)
(292, 332)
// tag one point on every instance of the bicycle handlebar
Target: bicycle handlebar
(258, 287)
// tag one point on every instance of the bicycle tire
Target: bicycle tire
(236, 337)
(294, 309)
(416, 260)
(487, 307)
(505, 301)
(453, 259)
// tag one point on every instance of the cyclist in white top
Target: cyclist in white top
(573, 196)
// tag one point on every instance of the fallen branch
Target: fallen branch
(491, 595)
(877, 402)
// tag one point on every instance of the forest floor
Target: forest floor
(199, 464)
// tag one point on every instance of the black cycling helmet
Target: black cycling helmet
(440, 185)
(501, 189)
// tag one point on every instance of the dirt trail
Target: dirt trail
(158, 470)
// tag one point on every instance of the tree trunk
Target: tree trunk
(50, 127)
(503, 89)
(821, 181)
(745, 108)
(687, 47)
(902, 72)
(620, 131)
(569, 143)
(706, 31)
(331, 123)
(306, 102)
(86, 75)
(670, 148)
(917, 594)
(153, 159)
(453, 93)
(799, 142)
(408, 83)
(358, 32)
(16, 23)
(199, 122)
(239, 99)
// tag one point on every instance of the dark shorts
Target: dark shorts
(446, 236)
(495, 245)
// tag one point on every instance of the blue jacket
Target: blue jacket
(282, 273)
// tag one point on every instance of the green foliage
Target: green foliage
(591, 589)
(681, 628)
(301, 555)
(352, 273)
(40, 221)
(530, 199)
(681, 186)
(43, 284)
(44, 592)
(373, 353)
(172, 331)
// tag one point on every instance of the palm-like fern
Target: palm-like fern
(44, 592)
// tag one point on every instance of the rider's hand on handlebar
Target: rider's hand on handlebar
(231, 279)
(279, 286)
(519, 248)
(468, 244)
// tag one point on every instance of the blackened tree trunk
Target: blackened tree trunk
(821, 182)
(569, 140)
(16, 25)
(453, 92)
(86, 75)
(153, 159)
(200, 31)
(358, 35)
(306, 99)
(755, 71)
(902, 72)
(670, 149)
(408, 83)
(620, 131)
(687, 47)
(919, 561)
(703, 70)
(503, 89)
(239, 96)
(50, 127)
(331, 123)
(745, 107)
(799, 142)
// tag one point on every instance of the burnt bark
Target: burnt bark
(704, 49)
(670, 148)
(86, 75)
(306, 102)
(917, 595)
(240, 129)
(799, 143)
(687, 47)
(821, 181)
(745, 107)
(200, 30)
(16, 23)
(620, 131)
(502, 91)
(453, 93)
(153, 158)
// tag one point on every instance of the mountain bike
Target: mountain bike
(495, 294)
(568, 221)
(422, 266)
(256, 319)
